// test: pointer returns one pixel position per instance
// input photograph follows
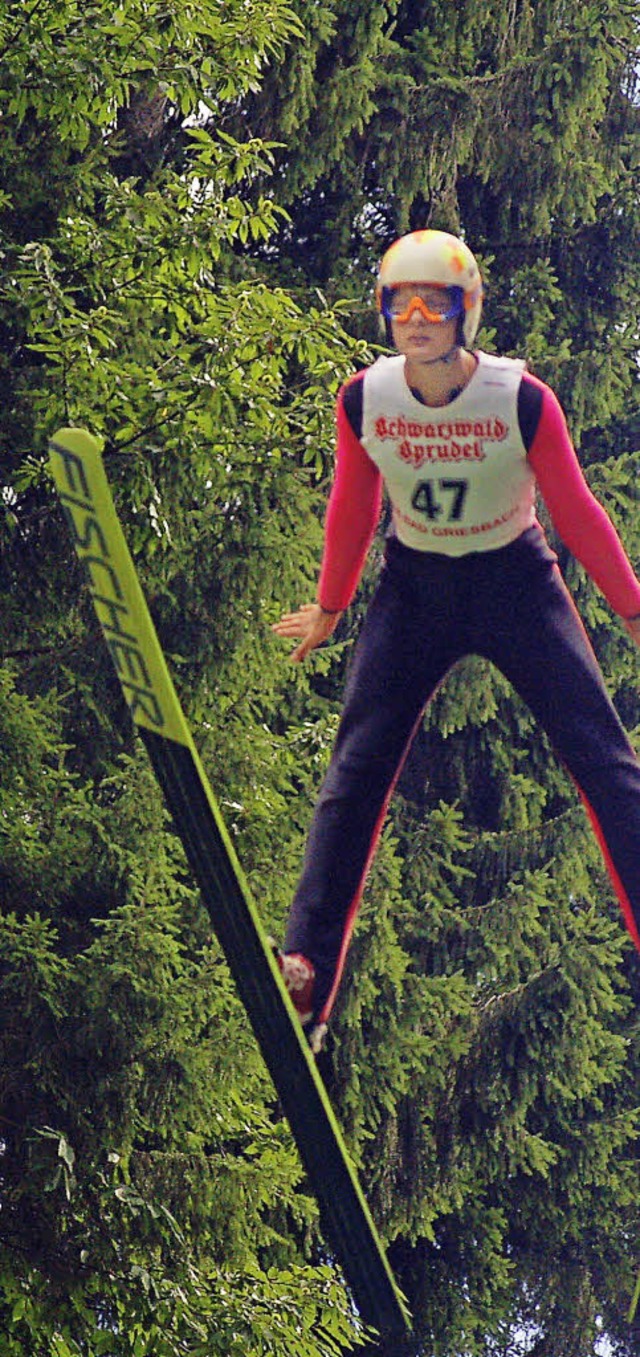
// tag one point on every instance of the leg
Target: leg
(402, 654)
(552, 665)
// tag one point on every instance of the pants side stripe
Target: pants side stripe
(623, 898)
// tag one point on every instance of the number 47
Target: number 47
(434, 497)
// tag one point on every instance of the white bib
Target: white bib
(457, 475)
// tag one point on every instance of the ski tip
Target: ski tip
(76, 440)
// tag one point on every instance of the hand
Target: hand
(309, 622)
(633, 627)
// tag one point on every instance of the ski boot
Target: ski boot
(299, 978)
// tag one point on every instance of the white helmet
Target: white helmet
(438, 258)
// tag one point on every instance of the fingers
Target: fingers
(314, 638)
(298, 623)
(301, 651)
(309, 624)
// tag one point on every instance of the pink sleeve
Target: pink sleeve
(579, 519)
(352, 517)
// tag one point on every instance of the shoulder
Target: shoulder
(498, 376)
(539, 410)
(530, 398)
(386, 369)
(350, 401)
(494, 363)
(351, 394)
(538, 405)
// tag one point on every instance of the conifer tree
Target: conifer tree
(152, 1200)
(489, 953)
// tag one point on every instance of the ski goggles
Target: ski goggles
(435, 304)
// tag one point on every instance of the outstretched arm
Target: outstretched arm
(353, 512)
(579, 519)
(351, 520)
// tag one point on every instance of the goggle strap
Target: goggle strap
(472, 298)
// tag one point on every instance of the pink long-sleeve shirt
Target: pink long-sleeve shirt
(581, 522)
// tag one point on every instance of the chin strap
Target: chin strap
(445, 358)
(448, 357)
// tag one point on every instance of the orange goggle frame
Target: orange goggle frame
(456, 307)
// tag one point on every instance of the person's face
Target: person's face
(423, 320)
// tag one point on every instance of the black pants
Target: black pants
(512, 607)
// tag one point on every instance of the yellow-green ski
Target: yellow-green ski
(80, 479)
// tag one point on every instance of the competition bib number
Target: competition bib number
(434, 498)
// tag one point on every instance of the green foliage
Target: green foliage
(488, 946)
(516, 124)
(152, 1199)
(162, 1204)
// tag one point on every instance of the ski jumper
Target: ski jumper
(467, 570)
